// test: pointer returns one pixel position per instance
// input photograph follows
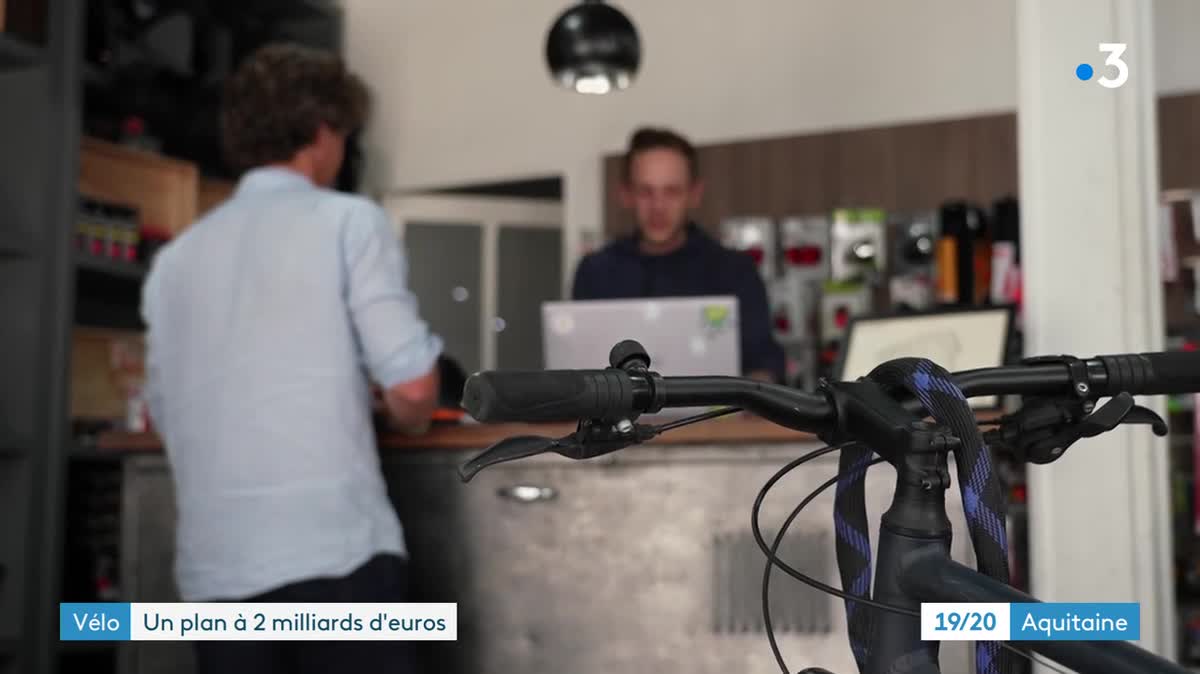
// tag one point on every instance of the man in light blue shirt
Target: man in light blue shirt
(268, 319)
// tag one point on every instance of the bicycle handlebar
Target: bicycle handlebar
(570, 395)
(551, 395)
(1153, 373)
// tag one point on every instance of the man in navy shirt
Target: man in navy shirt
(669, 256)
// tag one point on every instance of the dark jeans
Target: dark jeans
(383, 579)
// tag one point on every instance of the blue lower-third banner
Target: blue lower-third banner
(1075, 622)
(1031, 622)
(257, 622)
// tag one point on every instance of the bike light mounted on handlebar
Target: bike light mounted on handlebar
(883, 414)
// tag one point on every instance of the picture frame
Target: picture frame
(957, 338)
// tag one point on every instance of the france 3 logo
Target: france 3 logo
(1084, 71)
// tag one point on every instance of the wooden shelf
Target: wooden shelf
(89, 452)
(213, 191)
(163, 190)
(105, 364)
(16, 53)
(134, 271)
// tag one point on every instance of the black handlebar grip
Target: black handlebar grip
(549, 395)
(1153, 373)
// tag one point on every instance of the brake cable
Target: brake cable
(772, 554)
(773, 559)
(687, 421)
(808, 580)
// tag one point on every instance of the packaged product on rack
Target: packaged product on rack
(857, 245)
(756, 237)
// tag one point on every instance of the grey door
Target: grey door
(444, 273)
(482, 266)
(529, 270)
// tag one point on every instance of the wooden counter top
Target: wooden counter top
(478, 436)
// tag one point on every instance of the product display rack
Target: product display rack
(39, 133)
(1183, 332)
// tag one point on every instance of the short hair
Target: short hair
(278, 98)
(650, 138)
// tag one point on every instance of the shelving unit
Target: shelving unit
(212, 192)
(11, 442)
(1183, 322)
(164, 191)
(8, 656)
(167, 195)
(132, 271)
(94, 76)
(17, 53)
(40, 121)
(16, 247)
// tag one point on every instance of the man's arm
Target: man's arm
(410, 404)
(395, 344)
(404, 406)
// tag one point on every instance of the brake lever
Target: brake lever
(1043, 433)
(591, 438)
(1121, 410)
(510, 449)
(1141, 415)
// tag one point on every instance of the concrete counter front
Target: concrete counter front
(638, 561)
(478, 436)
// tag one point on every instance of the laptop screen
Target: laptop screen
(684, 336)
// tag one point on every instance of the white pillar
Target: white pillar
(1099, 518)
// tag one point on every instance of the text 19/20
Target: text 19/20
(970, 621)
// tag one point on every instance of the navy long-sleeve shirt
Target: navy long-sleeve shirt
(702, 266)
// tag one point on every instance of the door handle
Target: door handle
(528, 493)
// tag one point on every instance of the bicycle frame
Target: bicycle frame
(914, 566)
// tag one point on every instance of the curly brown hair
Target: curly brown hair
(279, 97)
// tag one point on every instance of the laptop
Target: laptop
(956, 339)
(684, 336)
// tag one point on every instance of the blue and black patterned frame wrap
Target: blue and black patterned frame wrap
(884, 641)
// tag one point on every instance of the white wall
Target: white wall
(463, 94)
(1099, 519)
(464, 91)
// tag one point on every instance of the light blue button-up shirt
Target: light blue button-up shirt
(266, 318)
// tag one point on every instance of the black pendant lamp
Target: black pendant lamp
(593, 48)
